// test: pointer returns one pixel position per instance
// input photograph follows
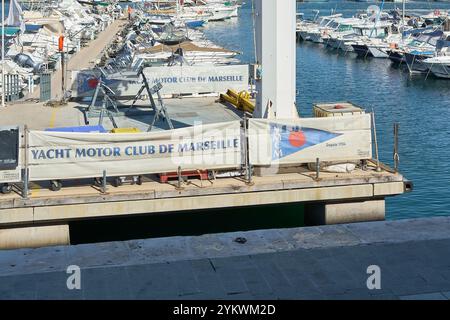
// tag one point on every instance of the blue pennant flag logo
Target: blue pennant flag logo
(287, 140)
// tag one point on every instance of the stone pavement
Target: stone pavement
(326, 262)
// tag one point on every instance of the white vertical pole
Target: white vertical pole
(276, 55)
(3, 53)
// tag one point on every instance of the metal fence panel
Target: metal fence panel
(45, 86)
(11, 87)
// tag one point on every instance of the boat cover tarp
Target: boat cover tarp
(186, 46)
(430, 37)
(15, 16)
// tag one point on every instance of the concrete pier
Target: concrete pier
(348, 212)
(326, 262)
(34, 237)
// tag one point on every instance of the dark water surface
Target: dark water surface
(420, 105)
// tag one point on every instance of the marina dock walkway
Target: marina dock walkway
(326, 262)
(85, 58)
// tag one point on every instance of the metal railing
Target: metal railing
(12, 87)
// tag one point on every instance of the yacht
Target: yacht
(314, 32)
(422, 47)
(439, 66)
(368, 39)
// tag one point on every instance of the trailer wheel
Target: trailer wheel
(98, 182)
(118, 182)
(55, 185)
(139, 180)
(6, 188)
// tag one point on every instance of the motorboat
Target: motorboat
(438, 66)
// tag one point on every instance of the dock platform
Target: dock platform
(87, 201)
(331, 198)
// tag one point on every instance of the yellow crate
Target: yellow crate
(125, 130)
(336, 109)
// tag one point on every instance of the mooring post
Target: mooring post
(396, 155)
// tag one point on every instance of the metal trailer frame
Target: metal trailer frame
(110, 107)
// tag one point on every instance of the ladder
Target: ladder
(108, 101)
(161, 110)
(110, 107)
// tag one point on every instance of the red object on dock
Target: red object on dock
(61, 43)
(200, 174)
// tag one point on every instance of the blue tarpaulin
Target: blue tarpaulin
(99, 129)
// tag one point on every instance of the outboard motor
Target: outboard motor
(26, 61)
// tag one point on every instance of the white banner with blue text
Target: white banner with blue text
(199, 79)
(175, 80)
(300, 141)
(67, 155)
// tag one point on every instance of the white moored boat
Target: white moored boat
(439, 66)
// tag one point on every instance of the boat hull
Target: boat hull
(316, 38)
(304, 35)
(220, 15)
(361, 50)
(440, 70)
(332, 43)
(415, 62)
(195, 24)
(396, 57)
(377, 52)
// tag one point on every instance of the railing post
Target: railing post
(396, 154)
(248, 166)
(104, 189)
(317, 169)
(26, 176)
(26, 182)
(375, 141)
(180, 179)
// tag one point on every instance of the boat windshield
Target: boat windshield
(345, 27)
(324, 22)
(370, 32)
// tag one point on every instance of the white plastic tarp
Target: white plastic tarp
(15, 16)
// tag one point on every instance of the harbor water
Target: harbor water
(421, 106)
